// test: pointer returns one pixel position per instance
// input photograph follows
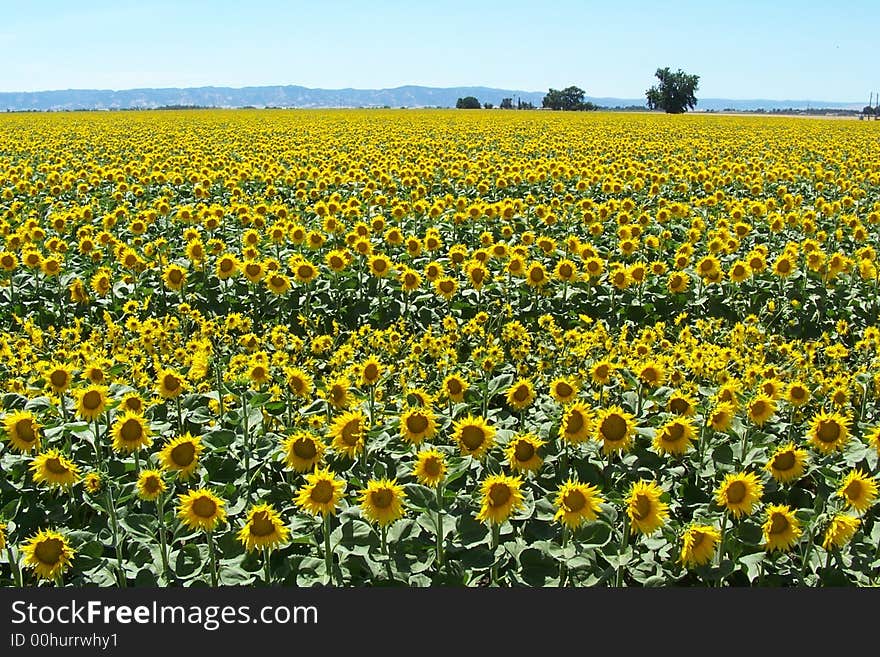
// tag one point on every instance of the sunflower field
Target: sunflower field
(425, 348)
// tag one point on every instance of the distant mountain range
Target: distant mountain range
(304, 97)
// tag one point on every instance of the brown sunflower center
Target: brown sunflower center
(446, 286)
(679, 406)
(472, 436)
(175, 276)
(183, 454)
(575, 422)
(261, 524)
(170, 382)
(55, 466)
(564, 390)
(416, 423)
(778, 524)
(642, 507)
(698, 538)
(152, 484)
(91, 400)
(453, 386)
(382, 498)
(784, 461)
(305, 448)
(351, 432)
(524, 451)
(58, 378)
(322, 492)
(432, 466)
(574, 501)
(499, 494)
(371, 372)
(829, 431)
(204, 507)
(521, 393)
(853, 490)
(25, 430)
(736, 492)
(131, 430)
(758, 408)
(49, 551)
(613, 428)
(673, 433)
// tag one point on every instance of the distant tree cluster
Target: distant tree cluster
(675, 92)
(471, 102)
(468, 102)
(569, 99)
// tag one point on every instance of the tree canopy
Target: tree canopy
(674, 94)
(468, 102)
(570, 98)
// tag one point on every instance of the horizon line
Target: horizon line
(423, 86)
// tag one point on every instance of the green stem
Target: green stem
(328, 553)
(496, 530)
(247, 442)
(13, 565)
(267, 569)
(439, 526)
(385, 550)
(111, 508)
(563, 568)
(213, 557)
(179, 416)
(160, 509)
(721, 547)
(624, 540)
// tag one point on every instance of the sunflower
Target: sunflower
(132, 402)
(59, 378)
(577, 503)
(563, 390)
(828, 431)
(761, 408)
(601, 371)
(348, 433)
(797, 393)
(227, 265)
(522, 452)
(263, 529)
(577, 423)
(739, 493)
(781, 528)
(674, 437)
(181, 455)
(277, 284)
(840, 530)
(430, 467)
(321, 493)
(47, 553)
(652, 374)
(23, 430)
(371, 371)
(92, 482)
(382, 501)
(150, 485)
(337, 392)
(698, 545)
(446, 287)
(536, 275)
(54, 469)
(174, 277)
(681, 404)
(784, 266)
(169, 383)
(474, 436)
(721, 416)
(454, 387)
(787, 463)
(302, 451)
(201, 509)
(521, 394)
(858, 490)
(645, 510)
(614, 429)
(380, 265)
(417, 425)
(130, 433)
(91, 402)
(501, 496)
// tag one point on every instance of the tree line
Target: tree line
(673, 94)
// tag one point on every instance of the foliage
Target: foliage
(570, 99)
(674, 94)
(468, 102)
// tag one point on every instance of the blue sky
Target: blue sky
(774, 50)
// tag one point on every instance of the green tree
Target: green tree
(675, 92)
(468, 102)
(506, 103)
(570, 98)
